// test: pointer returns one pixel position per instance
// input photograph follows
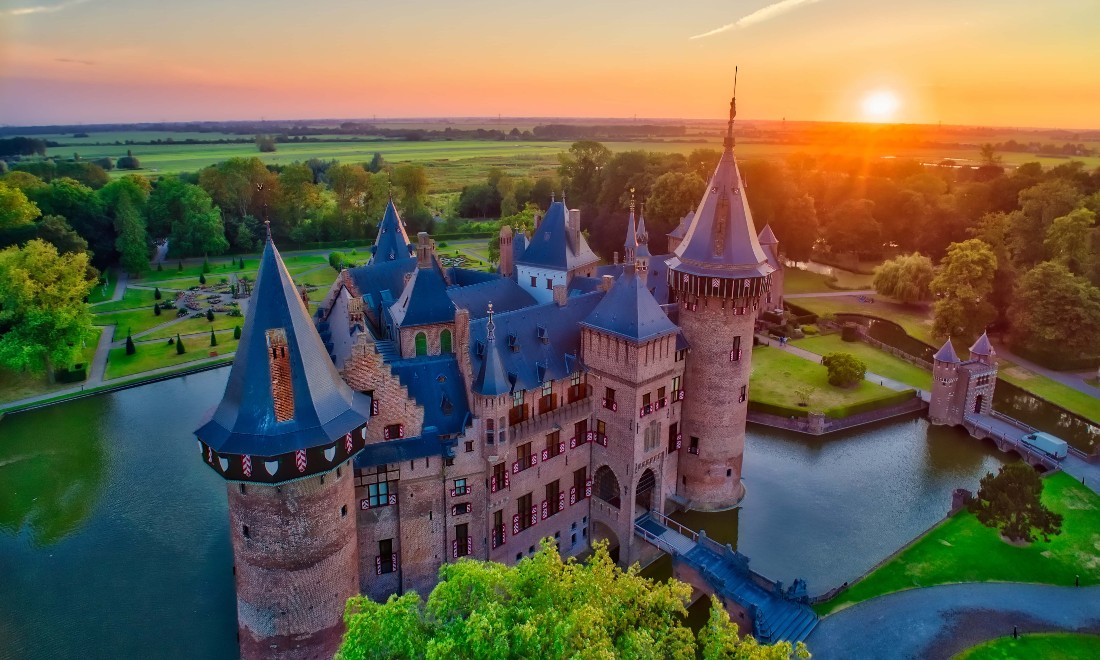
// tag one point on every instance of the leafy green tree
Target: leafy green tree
(1055, 311)
(156, 309)
(581, 169)
(905, 278)
(720, 639)
(132, 243)
(299, 197)
(1011, 502)
(376, 163)
(85, 212)
(241, 186)
(1040, 205)
(15, 208)
(845, 369)
(542, 607)
(994, 229)
(156, 293)
(412, 182)
(236, 332)
(43, 317)
(210, 314)
(1069, 240)
(520, 222)
(672, 196)
(53, 229)
(193, 224)
(265, 143)
(852, 228)
(962, 288)
(129, 161)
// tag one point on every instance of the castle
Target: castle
(427, 413)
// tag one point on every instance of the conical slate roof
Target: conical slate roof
(392, 243)
(325, 408)
(641, 233)
(491, 378)
(629, 310)
(982, 346)
(946, 353)
(549, 244)
(424, 300)
(721, 240)
(631, 230)
(767, 237)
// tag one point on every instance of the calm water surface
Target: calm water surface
(113, 534)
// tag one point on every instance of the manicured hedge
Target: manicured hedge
(778, 409)
(802, 316)
(75, 375)
(877, 403)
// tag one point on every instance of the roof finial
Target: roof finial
(491, 326)
(632, 200)
(563, 197)
(267, 223)
(552, 196)
(733, 113)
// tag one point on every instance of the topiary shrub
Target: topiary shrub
(210, 314)
(810, 329)
(237, 332)
(202, 279)
(849, 332)
(213, 338)
(130, 348)
(180, 348)
(156, 310)
(845, 369)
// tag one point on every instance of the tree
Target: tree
(962, 288)
(43, 317)
(53, 229)
(520, 222)
(1011, 502)
(85, 212)
(412, 181)
(180, 348)
(236, 332)
(1040, 205)
(187, 215)
(156, 309)
(541, 607)
(15, 208)
(156, 293)
(1055, 311)
(720, 639)
(376, 163)
(129, 162)
(132, 243)
(210, 314)
(905, 278)
(994, 229)
(130, 348)
(845, 369)
(672, 196)
(1069, 240)
(265, 143)
(213, 338)
(299, 197)
(852, 228)
(581, 169)
(989, 155)
(202, 279)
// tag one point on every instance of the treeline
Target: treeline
(24, 146)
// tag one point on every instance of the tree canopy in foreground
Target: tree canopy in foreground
(544, 607)
(1010, 501)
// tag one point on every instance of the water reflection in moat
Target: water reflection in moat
(110, 524)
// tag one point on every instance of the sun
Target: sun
(880, 106)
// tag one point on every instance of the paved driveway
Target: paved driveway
(940, 621)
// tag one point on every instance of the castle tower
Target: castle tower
(943, 406)
(283, 437)
(505, 242)
(719, 275)
(770, 244)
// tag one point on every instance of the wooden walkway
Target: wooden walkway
(777, 615)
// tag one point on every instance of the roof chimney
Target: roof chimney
(505, 242)
(573, 228)
(561, 295)
(606, 282)
(424, 250)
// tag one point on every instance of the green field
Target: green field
(1080, 403)
(776, 375)
(1048, 646)
(877, 361)
(132, 321)
(131, 299)
(961, 549)
(105, 292)
(190, 326)
(796, 280)
(915, 319)
(158, 355)
(16, 385)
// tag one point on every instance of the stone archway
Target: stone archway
(978, 401)
(643, 494)
(606, 486)
(601, 532)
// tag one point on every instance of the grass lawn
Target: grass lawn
(916, 319)
(879, 362)
(322, 277)
(15, 385)
(1085, 405)
(776, 374)
(961, 549)
(796, 280)
(221, 267)
(105, 292)
(159, 355)
(1049, 646)
(134, 321)
(189, 326)
(131, 299)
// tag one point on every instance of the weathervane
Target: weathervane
(490, 326)
(733, 112)
(632, 200)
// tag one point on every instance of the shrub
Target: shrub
(1011, 503)
(849, 332)
(180, 348)
(810, 329)
(130, 348)
(213, 338)
(845, 369)
(876, 403)
(237, 331)
(210, 315)
(202, 279)
(205, 265)
(180, 313)
(777, 409)
(156, 310)
(156, 293)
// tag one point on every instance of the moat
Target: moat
(114, 536)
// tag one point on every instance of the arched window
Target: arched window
(445, 341)
(607, 487)
(421, 343)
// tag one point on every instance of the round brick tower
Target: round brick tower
(718, 274)
(283, 437)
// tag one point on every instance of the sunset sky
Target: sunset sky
(987, 62)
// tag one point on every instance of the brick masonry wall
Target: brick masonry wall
(432, 333)
(364, 371)
(712, 411)
(297, 566)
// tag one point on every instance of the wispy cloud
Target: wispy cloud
(758, 16)
(42, 9)
(69, 60)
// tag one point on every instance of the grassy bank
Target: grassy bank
(877, 361)
(776, 375)
(159, 355)
(1076, 402)
(915, 319)
(1049, 646)
(15, 385)
(961, 549)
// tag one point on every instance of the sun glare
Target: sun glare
(880, 106)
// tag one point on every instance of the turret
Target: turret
(641, 255)
(719, 275)
(283, 437)
(943, 406)
(982, 350)
(392, 242)
(630, 245)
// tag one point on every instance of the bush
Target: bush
(180, 348)
(810, 329)
(202, 280)
(213, 338)
(849, 332)
(156, 293)
(845, 369)
(236, 330)
(76, 374)
(130, 348)
(156, 310)
(777, 409)
(180, 313)
(210, 315)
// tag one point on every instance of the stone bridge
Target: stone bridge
(774, 614)
(1007, 433)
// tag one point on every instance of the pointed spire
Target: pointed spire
(267, 224)
(491, 378)
(563, 198)
(552, 197)
(728, 143)
(982, 347)
(946, 353)
(641, 233)
(630, 246)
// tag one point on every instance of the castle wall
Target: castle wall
(296, 563)
(716, 403)
(407, 339)
(539, 290)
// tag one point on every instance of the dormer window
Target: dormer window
(544, 337)
(513, 343)
(446, 406)
(282, 390)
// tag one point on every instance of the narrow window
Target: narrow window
(489, 432)
(386, 561)
(344, 511)
(462, 540)
(534, 281)
(421, 343)
(469, 446)
(549, 283)
(244, 530)
(445, 341)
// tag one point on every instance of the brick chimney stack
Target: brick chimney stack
(561, 295)
(607, 281)
(424, 250)
(573, 228)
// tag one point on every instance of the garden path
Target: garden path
(1067, 378)
(940, 621)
